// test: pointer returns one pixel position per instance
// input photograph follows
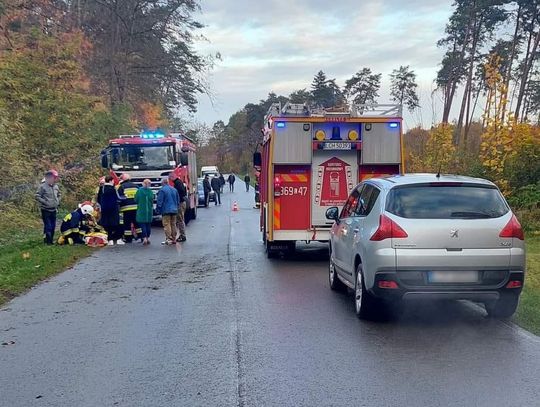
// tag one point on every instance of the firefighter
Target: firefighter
(128, 208)
(76, 224)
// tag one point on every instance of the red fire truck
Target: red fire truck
(311, 160)
(154, 155)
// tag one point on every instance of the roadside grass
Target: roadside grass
(25, 260)
(528, 313)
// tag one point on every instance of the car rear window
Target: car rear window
(436, 201)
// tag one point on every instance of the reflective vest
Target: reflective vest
(127, 191)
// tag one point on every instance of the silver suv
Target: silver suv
(427, 236)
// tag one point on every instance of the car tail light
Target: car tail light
(513, 229)
(278, 181)
(388, 229)
(514, 284)
(388, 284)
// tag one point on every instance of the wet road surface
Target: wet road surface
(212, 322)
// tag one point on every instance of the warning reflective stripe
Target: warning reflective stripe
(294, 177)
(130, 192)
(128, 208)
(277, 214)
(70, 231)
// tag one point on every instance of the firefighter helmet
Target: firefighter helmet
(87, 209)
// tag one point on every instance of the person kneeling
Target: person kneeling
(75, 225)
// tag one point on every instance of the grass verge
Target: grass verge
(25, 260)
(528, 313)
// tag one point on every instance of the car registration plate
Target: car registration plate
(453, 276)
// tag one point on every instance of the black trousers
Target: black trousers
(49, 224)
(247, 186)
(206, 198)
(130, 218)
(114, 232)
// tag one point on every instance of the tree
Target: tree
(531, 31)
(363, 87)
(325, 92)
(143, 51)
(300, 96)
(403, 87)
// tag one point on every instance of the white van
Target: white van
(211, 170)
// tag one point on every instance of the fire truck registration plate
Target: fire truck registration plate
(337, 146)
(294, 191)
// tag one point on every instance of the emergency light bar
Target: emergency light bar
(152, 134)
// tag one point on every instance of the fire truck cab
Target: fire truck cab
(154, 155)
(311, 159)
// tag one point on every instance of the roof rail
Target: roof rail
(376, 110)
(355, 110)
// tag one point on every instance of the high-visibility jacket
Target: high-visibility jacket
(127, 191)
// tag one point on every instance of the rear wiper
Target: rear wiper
(470, 215)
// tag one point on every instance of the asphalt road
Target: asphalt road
(212, 322)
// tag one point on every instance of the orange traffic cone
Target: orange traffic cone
(235, 207)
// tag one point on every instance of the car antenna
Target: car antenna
(439, 172)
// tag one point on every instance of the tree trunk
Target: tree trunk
(468, 86)
(528, 63)
(508, 73)
(452, 82)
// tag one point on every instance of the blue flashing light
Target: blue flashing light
(393, 125)
(280, 125)
(152, 134)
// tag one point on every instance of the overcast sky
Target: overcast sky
(279, 45)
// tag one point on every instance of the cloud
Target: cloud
(279, 45)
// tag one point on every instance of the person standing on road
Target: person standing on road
(247, 180)
(182, 195)
(231, 180)
(109, 202)
(222, 181)
(168, 202)
(216, 186)
(48, 198)
(128, 208)
(206, 188)
(144, 197)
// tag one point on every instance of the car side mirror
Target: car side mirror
(104, 160)
(257, 159)
(184, 159)
(332, 213)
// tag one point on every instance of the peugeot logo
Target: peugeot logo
(454, 233)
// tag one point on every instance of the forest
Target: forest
(74, 73)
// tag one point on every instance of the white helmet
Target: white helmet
(87, 209)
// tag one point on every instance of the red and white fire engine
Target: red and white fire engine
(154, 155)
(312, 159)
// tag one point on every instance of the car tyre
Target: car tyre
(365, 305)
(335, 283)
(504, 307)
